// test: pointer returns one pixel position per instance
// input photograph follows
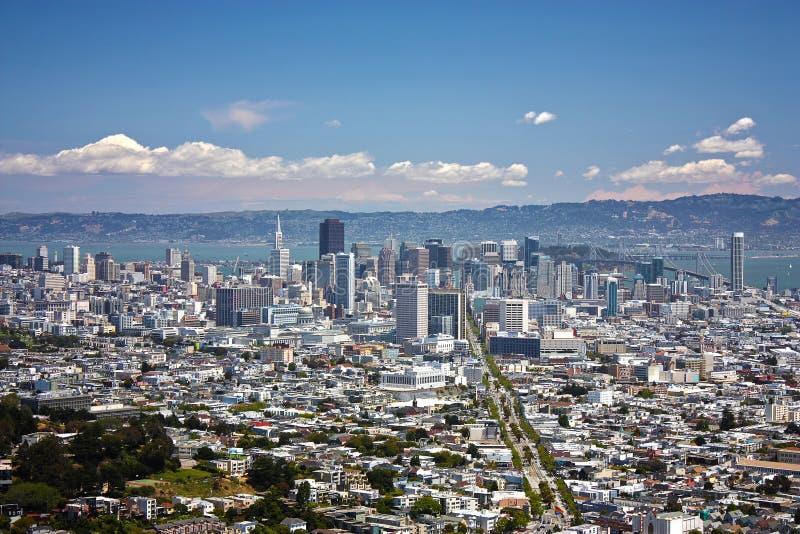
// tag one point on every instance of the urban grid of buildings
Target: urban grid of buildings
(476, 381)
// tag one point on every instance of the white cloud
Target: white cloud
(591, 172)
(532, 117)
(242, 114)
(431, 193)
(773, 179)
(119, 154)
(544, 116)
(674, 148)
(704, 171)
(455, 173)
(515, 183)
(335, 123)
(743, 124)
(559, 174)
(748, 147)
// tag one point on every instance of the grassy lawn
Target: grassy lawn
(192, 483)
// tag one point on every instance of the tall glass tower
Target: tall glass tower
(737, 262)
(612, 285)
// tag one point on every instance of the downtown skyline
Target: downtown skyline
(361, 107)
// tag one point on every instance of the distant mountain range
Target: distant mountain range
(696, 219)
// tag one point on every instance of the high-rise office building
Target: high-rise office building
(72, 259)
(279, 260)
(509, 251)
(433, 278)
(531, 247)
(87, 266)
(209, 273)
(42, 252)
(105, 267)
(331, 237)
(612, 288)
(231, 300)
(772, 284)
(173, 257)
(387, 265)
(411, 309)
(565, 278)
(344, 287)
(447, 303)
(514, 315)
(433, 245)
(361, 250)
(737, 262)
(187, 267)
(418, 262)
(591, 286)
(545, 277)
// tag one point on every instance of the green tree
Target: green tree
(426, 505)
(728, 420)
(33, 496)
(563, 420)
(381, 480)
(303, 493)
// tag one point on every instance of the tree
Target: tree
(702, 425)
(728, 420)
(700, 441)
(426, 505)
(473, 451)
(303, 493)
(563, 420)
(381, 480)
(646, 393)
(33, 496)
(205, 453)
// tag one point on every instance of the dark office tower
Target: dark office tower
(187, 267)
(531, 247)
(11, 258)
(444, 303)
(433, 245)
(737, 262)
(418, 262)
(331, 237)
(387, 264)
(444, 257)
(232, 300)
(105, 267)
(657, 268)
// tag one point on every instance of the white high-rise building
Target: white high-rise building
(279, 261)
(209, 274)
(433, 277)
(88, 267)
(173, 257)
(737, 262)
(72, 259)
(514, 315)
(509, 251)
(411, 309)
(344, 285)
(278, 235)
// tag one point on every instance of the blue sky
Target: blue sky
(378, 105)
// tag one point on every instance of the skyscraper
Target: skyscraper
(447, 303)
(173, 257)
(418, 262)
(279, 262)
(509, 251)
(278, 235)
(72, 259)
(187, 267)
(514, 315)
(531, 246)
(612, 285)
(387, 265)
(331, 237)
(344, 287)
(591, 286)
(737, 262)
(231, 300)
(411, 309)
(87, 266)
